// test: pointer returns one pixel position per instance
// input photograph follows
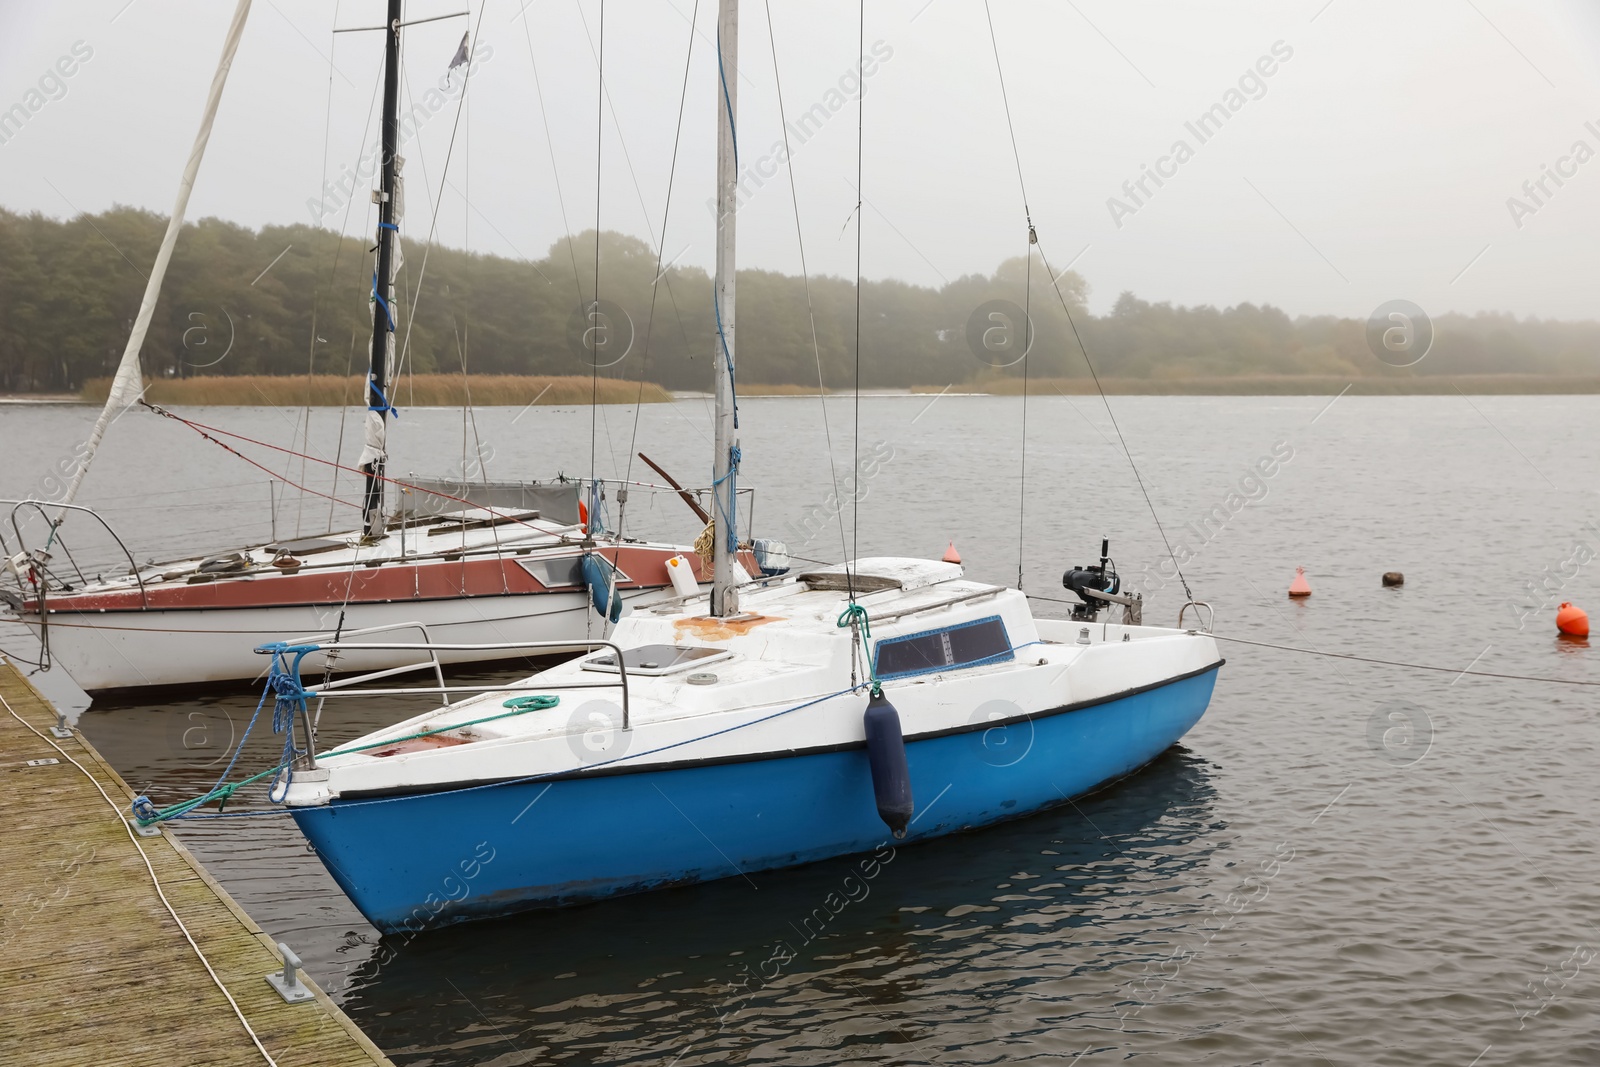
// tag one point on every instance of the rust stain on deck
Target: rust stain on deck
(708, 628)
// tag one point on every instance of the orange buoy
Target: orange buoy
(1572, 621)
(1299, 587)
(951, 555)
(583, 515)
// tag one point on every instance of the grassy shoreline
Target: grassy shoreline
(449, 390)
(1292, 385)
(422, 390)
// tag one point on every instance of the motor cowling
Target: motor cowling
(1078, 579)
(1101, 578)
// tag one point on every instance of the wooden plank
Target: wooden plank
(95, 968)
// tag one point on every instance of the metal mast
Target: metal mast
(376, 452)
(724, 592)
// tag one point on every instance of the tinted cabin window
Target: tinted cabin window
(984, 641)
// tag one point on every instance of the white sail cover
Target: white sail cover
(375, 431)
(128, 385)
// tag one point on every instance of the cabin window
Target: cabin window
(562, 573)
(968, 645)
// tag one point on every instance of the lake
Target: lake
(1342, 863)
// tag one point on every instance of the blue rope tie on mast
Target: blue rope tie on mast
(383, 406)
(727, 101)
(727, 356)
(387, 314)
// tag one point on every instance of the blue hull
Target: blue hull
(436, 858)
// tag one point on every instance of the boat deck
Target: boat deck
(94, 967)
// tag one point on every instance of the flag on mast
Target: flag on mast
(461, 54)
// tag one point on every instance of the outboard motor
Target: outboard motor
(1102, 579)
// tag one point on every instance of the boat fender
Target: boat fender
(886, 754)
(597, 574)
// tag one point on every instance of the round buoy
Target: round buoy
(951, 555)
(1572, 621)
(1299, 587)
(1391, 578)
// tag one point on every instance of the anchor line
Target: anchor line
(1402, 663)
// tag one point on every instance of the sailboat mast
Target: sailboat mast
(724, 588)
(376, 451)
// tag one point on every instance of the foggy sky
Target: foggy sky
(1378, 159)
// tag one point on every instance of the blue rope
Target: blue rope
(388, 226)
(727, 356)
(382, 302)
(727, 100)
(383, 406)
(289, 699)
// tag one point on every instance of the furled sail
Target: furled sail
(128, 385)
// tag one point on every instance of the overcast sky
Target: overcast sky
(1374, 162)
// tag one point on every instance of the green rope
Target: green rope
(533, 702)
(856, 615)
(518, 705)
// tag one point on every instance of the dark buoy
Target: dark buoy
(1391, 578)
(886, 753)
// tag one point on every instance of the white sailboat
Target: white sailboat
(753, 726)
(470, 575)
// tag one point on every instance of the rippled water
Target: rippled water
(1342, 863)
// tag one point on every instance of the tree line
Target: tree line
(288, 300)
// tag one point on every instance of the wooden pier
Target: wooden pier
(94, 967)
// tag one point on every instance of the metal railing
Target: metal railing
(1205, 621)
(345, 685)
(57, 538)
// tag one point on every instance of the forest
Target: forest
(288, 300)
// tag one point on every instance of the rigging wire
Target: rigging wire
(589, 330)
(538, 92)
(805, 274)
(644, 212)
(1033, 239)
(433, 225)
(661, 248)
(855, 444)
(1027, 298)
(344, 410)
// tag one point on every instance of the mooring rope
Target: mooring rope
(154, 881)
(1402, 663)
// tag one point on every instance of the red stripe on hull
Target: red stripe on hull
(644, 566)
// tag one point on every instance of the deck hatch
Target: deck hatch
(657, 659)
(970, 644)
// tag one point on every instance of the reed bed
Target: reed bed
(422, 390)
(1290, 385)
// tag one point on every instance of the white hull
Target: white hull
(165, 648)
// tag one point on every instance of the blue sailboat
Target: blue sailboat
(752, 725)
